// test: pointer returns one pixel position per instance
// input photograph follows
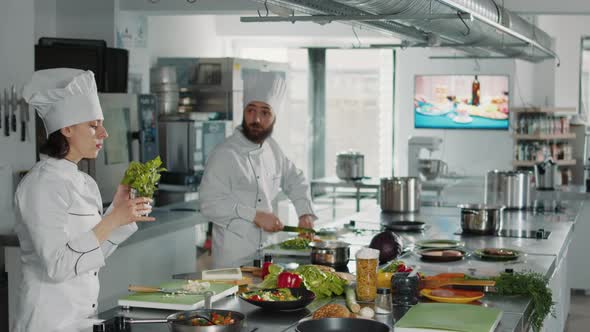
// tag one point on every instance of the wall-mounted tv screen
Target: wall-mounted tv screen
(461, 101)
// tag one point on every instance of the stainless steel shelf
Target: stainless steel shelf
(531, 163)
(544, 137)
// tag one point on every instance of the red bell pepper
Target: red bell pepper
(289, 280)
(264, 272)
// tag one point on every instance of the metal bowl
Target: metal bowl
(432, 168)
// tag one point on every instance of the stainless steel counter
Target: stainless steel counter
(168, 219)
(541, 255)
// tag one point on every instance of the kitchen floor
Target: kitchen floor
(579, 317)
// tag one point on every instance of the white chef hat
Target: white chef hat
(63, 97)
(269, 87)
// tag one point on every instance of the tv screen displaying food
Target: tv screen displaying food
(461, 101)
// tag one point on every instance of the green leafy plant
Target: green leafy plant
(322, 283)
(533, 285)
(144, 177)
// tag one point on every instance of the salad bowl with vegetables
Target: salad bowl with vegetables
(279, 299)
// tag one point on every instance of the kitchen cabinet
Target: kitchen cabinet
(558, 283)
(579, 270)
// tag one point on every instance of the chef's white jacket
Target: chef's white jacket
(57, 206)
(240, 178)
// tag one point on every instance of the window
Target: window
(359, 108)
(585, 79)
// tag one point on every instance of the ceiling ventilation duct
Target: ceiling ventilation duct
(492, 28)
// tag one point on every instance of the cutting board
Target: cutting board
(449, 317)
(175, 302)
(275, 249)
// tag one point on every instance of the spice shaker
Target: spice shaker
(383, 301)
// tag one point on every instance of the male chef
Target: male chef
(244, 175)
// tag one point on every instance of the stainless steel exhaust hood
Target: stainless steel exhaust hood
(478, 27)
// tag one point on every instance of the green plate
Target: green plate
(439, 244)
(480, 254)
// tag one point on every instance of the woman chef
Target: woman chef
(64, 236)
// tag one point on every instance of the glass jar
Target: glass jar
(405, 289)
(366, 279)
(383, 301)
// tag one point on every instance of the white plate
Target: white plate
(433, 111)
(463, 119)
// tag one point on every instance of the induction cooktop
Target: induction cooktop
(540, 233)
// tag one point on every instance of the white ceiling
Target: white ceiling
(546, 7)
(183, 7)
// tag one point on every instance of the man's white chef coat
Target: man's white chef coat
(240, 178)
(57, 206)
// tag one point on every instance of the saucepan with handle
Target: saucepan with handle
(481, 219)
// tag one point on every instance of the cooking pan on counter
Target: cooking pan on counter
(405, 226)
(330, 253)
(341, 325)
(190, 321)
(183, 321)
(481, 219)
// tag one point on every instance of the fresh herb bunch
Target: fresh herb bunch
(296, 243)
(530, 284)
(144, 177)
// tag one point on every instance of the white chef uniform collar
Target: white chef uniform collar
(63, 97)
(268, 87)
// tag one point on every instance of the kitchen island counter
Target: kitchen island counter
(546, 256)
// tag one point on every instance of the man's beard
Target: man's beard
(257, 136)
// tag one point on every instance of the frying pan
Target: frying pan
(178, 322)
(405, 226)
(181, 321)
(341, 325)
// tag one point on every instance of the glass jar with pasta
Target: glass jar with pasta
(367, 261)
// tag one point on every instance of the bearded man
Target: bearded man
(243, 178)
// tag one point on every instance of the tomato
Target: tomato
(403, 268)
(255, 297)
